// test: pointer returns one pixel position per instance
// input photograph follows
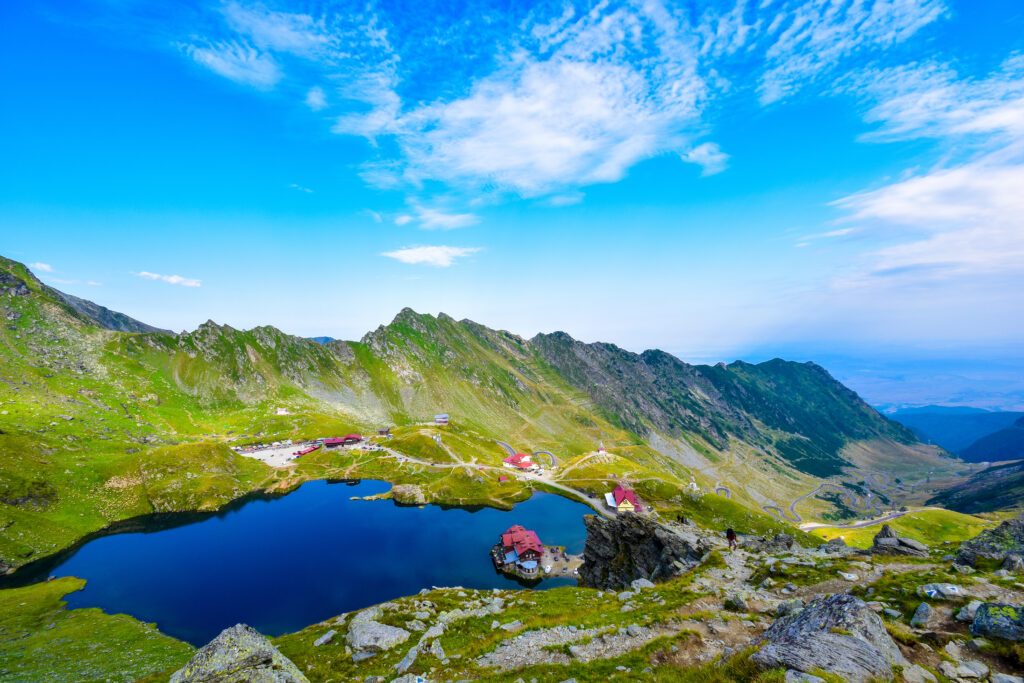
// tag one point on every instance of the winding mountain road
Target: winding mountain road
(868, 503)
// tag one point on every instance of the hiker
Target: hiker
(730, 536)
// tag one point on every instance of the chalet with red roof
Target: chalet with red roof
(520, 461)
(519, 550)
(623, 500)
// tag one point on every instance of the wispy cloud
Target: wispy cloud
(293, 32)
(555, 98)
(932, 100)
(237, 61)
(300, 188)
(807, 40)
(316, 98)
(41, 267)
(956, 221)
(437, 256)
(565, 199)
(709, 157)
(170, 279)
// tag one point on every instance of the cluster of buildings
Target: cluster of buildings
(256, 447)
(339, 441)
(518, 551)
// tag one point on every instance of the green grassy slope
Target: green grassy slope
(42, 641)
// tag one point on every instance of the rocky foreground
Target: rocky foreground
(665, 598)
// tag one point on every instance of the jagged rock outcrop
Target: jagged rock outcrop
(888, 543)
(839, 634)
(994, 544)
(629, 547)
(996, 620)
(240, 654)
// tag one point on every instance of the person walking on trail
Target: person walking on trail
(730, 536)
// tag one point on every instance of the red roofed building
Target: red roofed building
(334, 442)
(520, 461)
(623, 500)
(519, 548)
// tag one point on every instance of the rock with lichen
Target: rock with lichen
(839, 634)
(999, 620)
(240, 654)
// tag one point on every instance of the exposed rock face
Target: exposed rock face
(630, 547)
(994, 544)
(12, 285)
(408, 494)
(888, 543)
(779, 543)
(999, 621)
(239, 655)
(104, 317)
(839, 634)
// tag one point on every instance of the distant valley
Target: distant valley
(974, 434)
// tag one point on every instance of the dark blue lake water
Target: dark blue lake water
(285, 563)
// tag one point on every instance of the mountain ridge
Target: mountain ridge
(79, 392)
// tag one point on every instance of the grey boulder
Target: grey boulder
(240, 654)
(372, 636)
(923, 615)
(839, 634)
(999, 620)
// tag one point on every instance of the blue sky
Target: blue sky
(838, 178)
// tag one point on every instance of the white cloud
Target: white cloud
(237, 61)
(709, 157)
(403, 219)
(316, 98)
(576, 103)
(931, 100)
(964, 220)
(439, 257)
(565, 199)
(41, 267)
(170, 279)
(431, 218)
(292, 32)
(300, 188)
(801, 41)
(576, 95)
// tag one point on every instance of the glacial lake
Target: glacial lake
(281, 564)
